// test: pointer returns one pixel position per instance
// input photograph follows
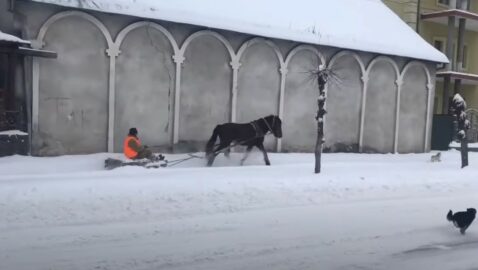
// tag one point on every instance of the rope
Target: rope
(178, 161)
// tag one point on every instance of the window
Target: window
(439, 44)
(443, 3)
(465, 57)
(455, 56)
(465, 4)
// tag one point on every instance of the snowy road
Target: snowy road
(363, 212)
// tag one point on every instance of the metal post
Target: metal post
(417, 29)
(460, 47)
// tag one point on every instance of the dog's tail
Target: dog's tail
(449, 216)
(212, 141)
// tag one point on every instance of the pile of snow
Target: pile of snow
(366, 25)
(13, 132)
(10, 38)
(362, 212)
(458, 144)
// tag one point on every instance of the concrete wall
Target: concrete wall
(258, 85)
(144, 83)
(381, 100)
(73, 101)
(344, 100)
(413, 100)
(300, 100)
(205, 95)
(176, 82)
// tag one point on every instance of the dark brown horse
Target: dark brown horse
(247, 134)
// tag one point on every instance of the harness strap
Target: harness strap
(267, 124)
(256, 129)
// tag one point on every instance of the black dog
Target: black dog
(462, 220)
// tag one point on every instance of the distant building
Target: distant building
(175, 69)
(438, 22)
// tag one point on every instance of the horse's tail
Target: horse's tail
(212, 141)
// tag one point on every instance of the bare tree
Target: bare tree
(458, 108)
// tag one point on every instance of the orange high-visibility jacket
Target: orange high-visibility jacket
(127, 150)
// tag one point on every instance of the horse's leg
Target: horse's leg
(248, 150)
(210, 159)
(220, 147)
(227, 152)
(266, 158)
(213, 155)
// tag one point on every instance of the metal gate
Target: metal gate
(472, 134)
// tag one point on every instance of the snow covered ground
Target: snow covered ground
(458, 144)
(363, 212)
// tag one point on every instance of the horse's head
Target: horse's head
(275, 125)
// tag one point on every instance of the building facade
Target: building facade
(175, 82)
(451, 26)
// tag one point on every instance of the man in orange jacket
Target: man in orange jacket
(133, 149)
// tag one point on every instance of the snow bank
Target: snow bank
(13, 133)
(366, 25)
(458, 144)
(11, 38)
(76, 189)
(362, 212)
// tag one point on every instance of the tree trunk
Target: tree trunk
(318, 146)
(322, 80)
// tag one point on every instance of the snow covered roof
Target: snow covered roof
(10, 38)
(364, 25)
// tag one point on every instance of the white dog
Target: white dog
(436, 158)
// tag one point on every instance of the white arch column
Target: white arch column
(283, 73)
(430, 89)
(178, 59)
(399, 83)
(235, 64)
(112, 52)
(362, 110)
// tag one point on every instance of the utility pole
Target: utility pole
(417, 28)
(449, 66)
(460, 4)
